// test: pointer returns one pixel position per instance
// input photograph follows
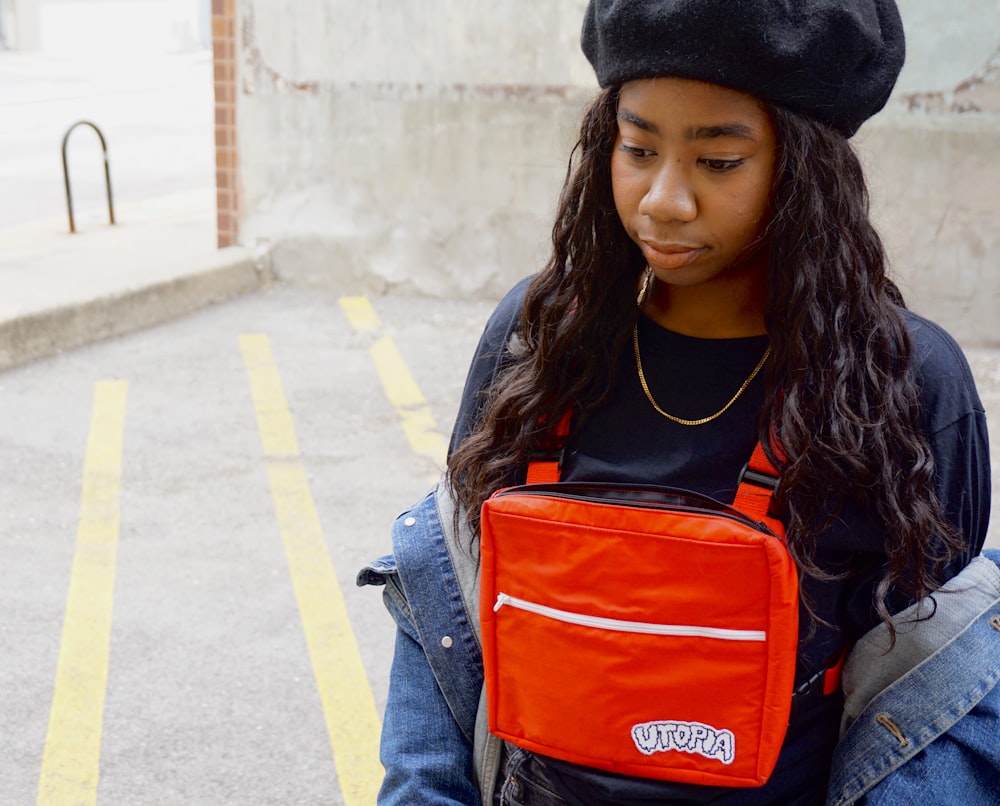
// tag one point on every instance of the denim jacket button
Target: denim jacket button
(447, 642)
(410, 521)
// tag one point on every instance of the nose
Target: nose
(670, 195)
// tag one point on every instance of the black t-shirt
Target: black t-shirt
(626, 440)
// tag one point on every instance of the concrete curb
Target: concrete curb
(229, 273)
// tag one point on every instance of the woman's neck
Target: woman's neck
(723, 309)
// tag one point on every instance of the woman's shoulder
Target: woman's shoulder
(505, 316)
(489, 359)
(948, 388)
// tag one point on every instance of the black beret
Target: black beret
(835, 61)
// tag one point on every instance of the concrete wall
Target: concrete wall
(933, 162)
(419, 145)
(407, 144)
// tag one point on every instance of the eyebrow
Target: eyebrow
(629, 116)
(739, 131)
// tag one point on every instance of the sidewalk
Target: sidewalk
(159, 261)
(59, 291)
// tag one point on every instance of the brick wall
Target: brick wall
(226, 180)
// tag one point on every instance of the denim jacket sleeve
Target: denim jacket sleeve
(922, 720)
(436, 677)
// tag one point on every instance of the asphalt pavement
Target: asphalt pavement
(213, 690)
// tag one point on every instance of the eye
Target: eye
(721, 166)
(635, 152)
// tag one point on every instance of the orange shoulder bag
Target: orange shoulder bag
(647, 631)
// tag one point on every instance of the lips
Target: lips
(669, 256)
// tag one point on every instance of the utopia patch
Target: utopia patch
(685, 737)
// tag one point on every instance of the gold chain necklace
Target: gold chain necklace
(649, 395)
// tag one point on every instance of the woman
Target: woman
(713, 183)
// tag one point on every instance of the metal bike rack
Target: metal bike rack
(107, 172)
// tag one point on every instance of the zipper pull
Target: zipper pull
(502, 599)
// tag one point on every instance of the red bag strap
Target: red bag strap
(757, 482)
(545, 467)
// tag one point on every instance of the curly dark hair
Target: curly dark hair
(841, 393)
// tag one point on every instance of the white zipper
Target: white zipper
(619, 625)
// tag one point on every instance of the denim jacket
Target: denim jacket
(435, 745)
(939, 710)
(922, 721)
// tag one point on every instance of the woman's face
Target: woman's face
(692, 172)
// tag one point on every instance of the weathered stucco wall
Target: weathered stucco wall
(934, 170)
(419, 145)
(413, 144)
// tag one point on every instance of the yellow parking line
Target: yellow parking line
(398, 383)
(361, 313)
(348, 705)
(71, 760)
